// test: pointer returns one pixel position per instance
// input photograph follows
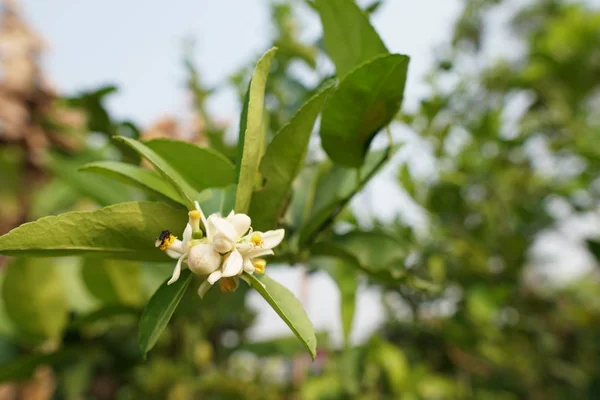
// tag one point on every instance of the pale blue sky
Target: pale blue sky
(138, 46)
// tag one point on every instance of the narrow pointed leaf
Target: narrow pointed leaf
(366, 100)
(124, 231)
(160, 309)
(187, 192)
(348, 35)
(253, 135)
(147, 180)
(289, 308)
(282, 161)
(201, 167)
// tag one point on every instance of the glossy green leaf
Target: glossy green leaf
(159, 310)
(34, 298)
(202, 168)
(336, 187)
(253, 134)
(113, 281)
(346, 279)
(366, 100)
(289, 308)
(141, 178)
(164, 167)
(124, 231)
(281, 163)
(348, 35)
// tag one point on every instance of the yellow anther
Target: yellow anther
(256, 239)
(259, 265)
(228, 284)
(194, 215)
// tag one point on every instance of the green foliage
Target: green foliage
(349, 38)
(159, 310)
(124, 231)
(288, 308)
(43, 314)
(113, 281)
(282, 161)
(366, 100)
(252, 134)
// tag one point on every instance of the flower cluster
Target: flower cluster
(226, 248)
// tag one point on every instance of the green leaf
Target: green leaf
(34, 298)
(406, 180)
(100, 189)
(202, 168)
(159, 310)
(289, 308)
(594, 248)
(141, 178)
(124, 231)
(348, 35)
(187, 192)
(113, 281)
(281, 163)
(23, 367)
(378, 255)
(366, 100)
(335, 188)
(346, 279)
(253, 134)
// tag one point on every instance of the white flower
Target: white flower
(227, 248)
(244, 256)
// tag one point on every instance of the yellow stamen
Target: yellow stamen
(256, 239)
(194, 215)
(228, 284)
(259, 265)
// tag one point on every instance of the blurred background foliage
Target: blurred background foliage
(516, 152)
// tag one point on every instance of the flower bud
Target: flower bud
(203, 259)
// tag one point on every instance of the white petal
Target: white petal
(231, 214)
(233, 265)
(248, 266)
(241, 223)
(187, 235)
(173, 253)
(204, 287)
(176, 271)
(203, 219)
(215, 276)
(258, 252)
(222, 228)
(272, 238)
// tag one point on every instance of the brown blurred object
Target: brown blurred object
(169, 128)
(40, 387)
(32, 117)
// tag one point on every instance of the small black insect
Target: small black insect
(162, 238)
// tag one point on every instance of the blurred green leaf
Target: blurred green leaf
(252, 137)
(139, 177)
(113, 281)
(336, 187)
(202, 168)
(289, 308)
(124, 231)
(160, 308)
(165, 168)
(366, 100)
(349, 37)
(406, 180)
(34, 298)
(346, 279)
(594, 248)
(23, 367)
(288, 346)
(281, 163)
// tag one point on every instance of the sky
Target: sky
(138, 46)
